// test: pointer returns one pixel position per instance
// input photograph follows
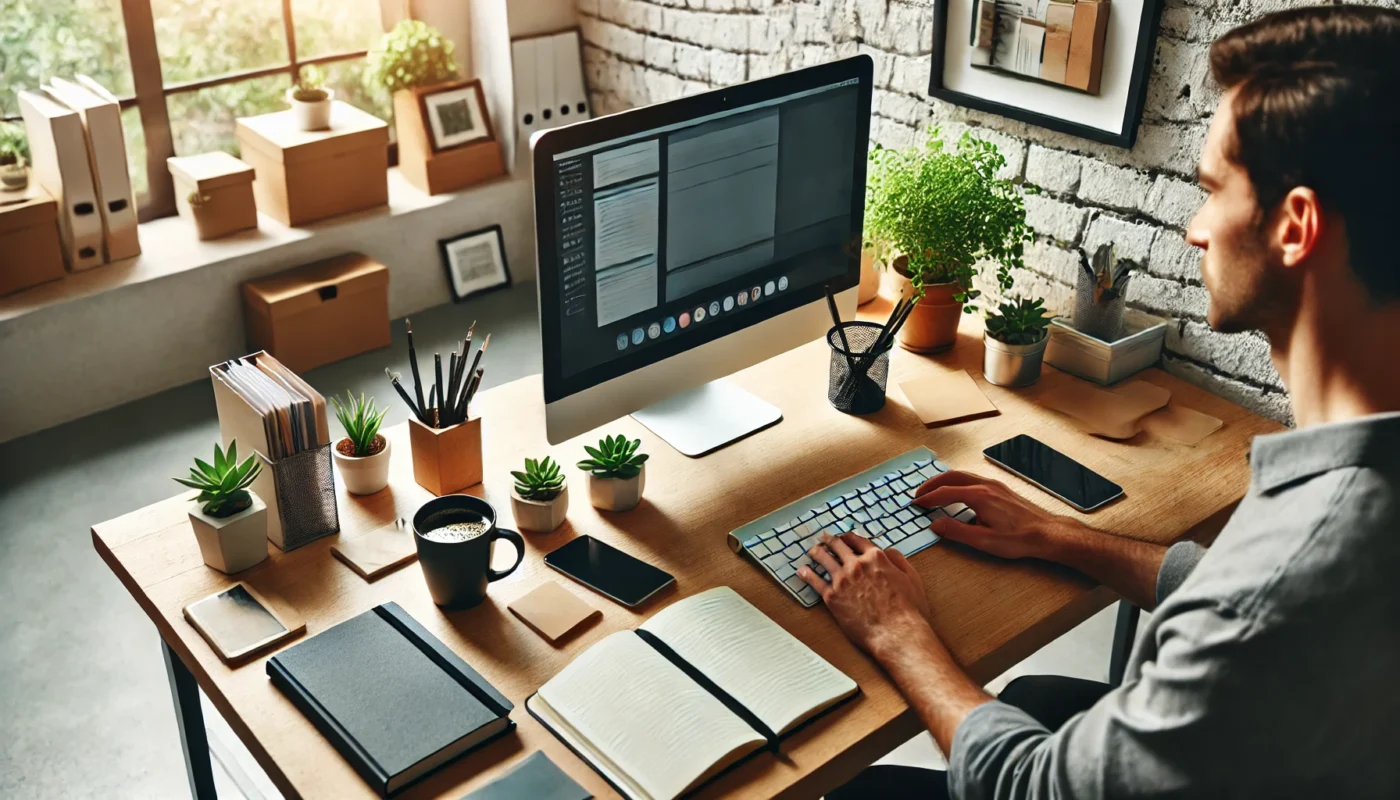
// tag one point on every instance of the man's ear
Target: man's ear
(1298, 230)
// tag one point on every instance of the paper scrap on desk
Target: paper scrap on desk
(1181, 424)
(1145, 396)
(1112, 414)
(552, 611)
(948, 397)
(378, 552)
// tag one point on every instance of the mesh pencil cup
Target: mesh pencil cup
(858, 377)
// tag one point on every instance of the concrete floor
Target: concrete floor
(85, 707)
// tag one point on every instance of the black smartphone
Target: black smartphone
(1054, 472)
(605, 569)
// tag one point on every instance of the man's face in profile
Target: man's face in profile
(1245, 279)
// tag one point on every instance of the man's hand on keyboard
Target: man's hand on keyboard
(876, 596)
(1007, 525)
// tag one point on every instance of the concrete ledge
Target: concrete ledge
(127, 330)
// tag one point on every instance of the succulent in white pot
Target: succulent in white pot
(540, 497)
(616, 473)
(14, 151)
(311, 100)
(362, 457)
(229, 521)
(1014, 342)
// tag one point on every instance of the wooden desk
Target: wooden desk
(990, 613)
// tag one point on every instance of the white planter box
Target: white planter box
(311, 116)
(365, 475)
(235, 543)
(538, 516)
(615, 494)
(1107, 362)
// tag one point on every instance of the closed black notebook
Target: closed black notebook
(391, 697)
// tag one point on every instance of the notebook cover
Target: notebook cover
(385, 692)
(553, 611)
(535, 778)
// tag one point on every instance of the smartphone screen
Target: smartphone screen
(1054, 472)
(606, 569)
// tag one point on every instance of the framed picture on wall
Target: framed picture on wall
(454, 115)
(475, 262)
(1075, 66)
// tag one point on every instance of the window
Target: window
(184, 70)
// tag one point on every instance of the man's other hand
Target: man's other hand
(876, 596)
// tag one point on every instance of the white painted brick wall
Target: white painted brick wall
(1141, 200)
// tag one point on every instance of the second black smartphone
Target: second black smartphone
(605, 569)
(1054, 472)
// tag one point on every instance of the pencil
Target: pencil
(413, 365)
(438, 384)
(398, 387)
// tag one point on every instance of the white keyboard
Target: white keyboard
(875, 503)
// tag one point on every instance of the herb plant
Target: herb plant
(311, 82)
(944, 210)
(614, 457)
(541, 481)
(1021, 322)
(223, 485)
(361, 421)
(14, 147)
(412, 54)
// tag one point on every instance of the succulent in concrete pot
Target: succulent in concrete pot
(229, 520)
(616, 473)
(540, 497)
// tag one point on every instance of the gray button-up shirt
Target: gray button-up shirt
(1271, 667)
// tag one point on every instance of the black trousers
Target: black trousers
(1051, 699)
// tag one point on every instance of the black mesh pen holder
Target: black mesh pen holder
(858, 377)
(305, 487)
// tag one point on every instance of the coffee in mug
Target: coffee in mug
(454, 535)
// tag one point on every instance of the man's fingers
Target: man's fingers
(857, 543)
(949, 528)
(823, 556)
(947, 495)
(903, 564)
(814, 580)
(840, 547)
(950, 478)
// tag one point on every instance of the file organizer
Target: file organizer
(299, 489)
(106, 147)
(59, 150)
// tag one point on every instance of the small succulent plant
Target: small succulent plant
(223, 485)
(1021, 322)
(14, 148)
(311, 83)
(361, 420)
(412, 54)
(541, 481)
(614, 457)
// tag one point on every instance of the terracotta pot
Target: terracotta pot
(932, 326)
(869, 278)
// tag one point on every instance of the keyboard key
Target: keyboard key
(862, 517)
(806, 515)
(911, 528)
(905, 514)
(804, 561)
(751, 541)
(834, 502)
(775, 561)
(789, 537)
(793, 552)
(842, 512)
(759, 549)
(796, 584)
(916, 542)
(824, 519)
(875, 527)
(895, 535)
(941, 467)
(954, 509)
(922, 462)
(848, 496)
(967, 515)
(890, 506)
(855, 503)
(881, 542)
(808, 595)
(785, 571)
(821, 571)
(884, 491)
(889, 476)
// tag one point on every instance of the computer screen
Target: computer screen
(670, 235)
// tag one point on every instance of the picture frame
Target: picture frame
(475, 262)
(1111, 117)
(454, 115)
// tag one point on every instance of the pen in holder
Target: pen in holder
(858, 375)
(304, 485)
(1099, 295)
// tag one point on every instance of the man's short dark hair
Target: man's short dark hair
(1318, 105)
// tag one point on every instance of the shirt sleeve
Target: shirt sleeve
(1149, 738)
(1178, 564)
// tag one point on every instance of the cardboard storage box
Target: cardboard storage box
(320, 312)
(30, 250)
(445, 170)
(303, 176)
(225, 185)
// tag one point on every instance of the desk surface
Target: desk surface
(990, 613)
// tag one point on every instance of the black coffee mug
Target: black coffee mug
(458, 572)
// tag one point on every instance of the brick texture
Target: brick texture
(1141, 200)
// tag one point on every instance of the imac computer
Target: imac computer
(681, 242)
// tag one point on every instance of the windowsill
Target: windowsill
(169, 247)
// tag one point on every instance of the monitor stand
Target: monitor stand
(707, 418)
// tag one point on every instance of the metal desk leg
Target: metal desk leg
(188, 715)
(1124, 634)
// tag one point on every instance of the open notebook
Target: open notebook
(709, 680)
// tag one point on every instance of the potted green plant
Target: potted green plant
(617, 473)
(1015, 340)
(540, 497)
(412, 55)
(936, 212)
(14, 158)
(229, 520)
(311, 100)
(362, 457)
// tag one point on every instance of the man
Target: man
(1269, 667)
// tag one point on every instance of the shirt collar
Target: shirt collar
(1278, 459)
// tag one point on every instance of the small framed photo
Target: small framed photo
(1075, 66)
(454, 115)
(475, 262)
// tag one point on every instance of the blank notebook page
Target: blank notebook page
(646, 716)
(751, 657)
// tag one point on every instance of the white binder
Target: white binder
(544, 83)
(102, 119)
(58, 147)
(527, 111)
(570, 95)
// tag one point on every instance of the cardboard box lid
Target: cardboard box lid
(36, 208)
(306, 287)
(210, 170)
(277, 137)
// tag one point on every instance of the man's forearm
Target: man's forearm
(930, 679)
(1127, 566)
